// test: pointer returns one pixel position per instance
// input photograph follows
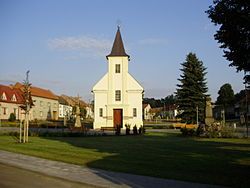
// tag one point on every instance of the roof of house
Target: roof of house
(38, 92)
(72, 101)
(118, 47)
(9, 92)
(145, 105)
(155, 110)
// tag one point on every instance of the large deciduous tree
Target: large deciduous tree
(226, 96)
(233, 19)
(191, 91)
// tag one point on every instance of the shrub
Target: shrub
(187, 132)
(127, 129)
(135, 132)
(12, 117)
(216, 130)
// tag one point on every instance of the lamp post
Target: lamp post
(197, 116)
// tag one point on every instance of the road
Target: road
(13, 177)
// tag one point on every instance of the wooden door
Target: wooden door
(117, 117)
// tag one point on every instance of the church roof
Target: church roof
(118, 47)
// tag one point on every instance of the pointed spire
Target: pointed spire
(118, 48)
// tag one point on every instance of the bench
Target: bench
(108, 129)
(184, 125)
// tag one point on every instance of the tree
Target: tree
(234, 33)
(191, 92)
(28, 103)
(226, 96)
(12, 117)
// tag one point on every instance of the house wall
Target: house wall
(89, 112)
(10, 108)
(44, 109)
(147, 115)
(65, 110)
(100, 99)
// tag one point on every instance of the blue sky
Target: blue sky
(64, 43)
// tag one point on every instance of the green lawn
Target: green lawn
(214, 161)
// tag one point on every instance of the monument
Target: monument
(208, 112)
(78, 119)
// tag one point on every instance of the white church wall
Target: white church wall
(100, 103)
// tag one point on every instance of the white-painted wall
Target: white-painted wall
(104, 95)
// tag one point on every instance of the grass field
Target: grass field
(213, 161)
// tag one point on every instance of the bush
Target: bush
(127, 129)
(135, 132)
(12, 117)
(216, 130)
(187, 132)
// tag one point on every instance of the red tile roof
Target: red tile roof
(9, 92)
(38, 92)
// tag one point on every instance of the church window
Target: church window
(117, 68)
(134, 112)
(118, 95)
(101, 112)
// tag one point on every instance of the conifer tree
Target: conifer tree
(191, 91)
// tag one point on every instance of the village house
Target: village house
(73, 101)
(65, 110)
(45, 103)
(10, 101)
(146, 112)
(117, 96)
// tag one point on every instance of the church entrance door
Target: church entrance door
(117, 117)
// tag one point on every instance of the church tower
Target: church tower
(117, 96)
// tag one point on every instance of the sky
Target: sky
(64, 43)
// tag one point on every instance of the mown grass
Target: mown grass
(213, 161)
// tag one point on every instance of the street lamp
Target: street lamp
(197, 116)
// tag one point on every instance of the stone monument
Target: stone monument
(208, 112)
(78, 119)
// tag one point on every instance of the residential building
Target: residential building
(46, 106)
(146, 112)
(117, 96)
(73, 101)
(10, 101)
(65, 110)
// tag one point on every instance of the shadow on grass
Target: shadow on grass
(212, 161)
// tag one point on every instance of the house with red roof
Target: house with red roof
(46, 105)
(10, 101)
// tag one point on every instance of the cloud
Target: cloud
(153, 41)
(11, 78)
(86, 44)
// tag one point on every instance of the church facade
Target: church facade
(117, 96)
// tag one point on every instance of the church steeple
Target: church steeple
(118, 47)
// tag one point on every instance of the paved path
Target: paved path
(95, 177)
(14, 177)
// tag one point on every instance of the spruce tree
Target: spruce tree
(191, 91)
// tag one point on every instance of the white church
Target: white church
(117, 96)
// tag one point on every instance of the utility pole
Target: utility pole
(247, 87)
